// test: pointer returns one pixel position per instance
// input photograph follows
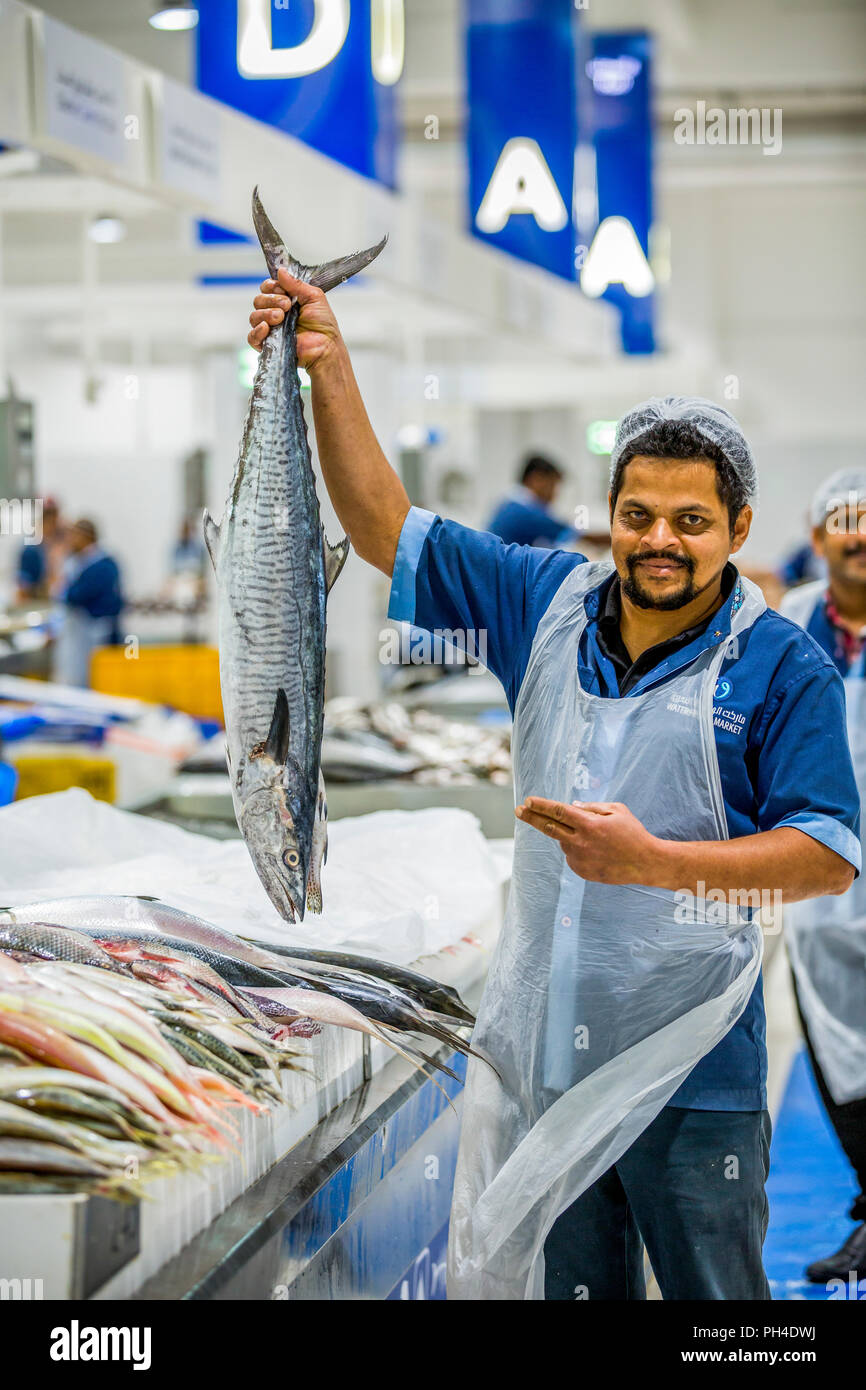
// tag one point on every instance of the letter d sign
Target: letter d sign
(257, 56)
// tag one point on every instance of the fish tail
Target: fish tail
(327, 275)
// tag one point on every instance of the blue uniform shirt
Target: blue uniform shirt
(521, 519)
(95, 586)
(31, 566)
(829, 639)
(779, 716)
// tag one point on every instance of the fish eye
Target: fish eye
(291, 858)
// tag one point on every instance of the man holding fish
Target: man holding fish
(679, 750)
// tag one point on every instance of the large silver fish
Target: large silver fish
(274, 567)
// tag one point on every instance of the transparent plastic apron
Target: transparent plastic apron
(601, 997)
(826, 937)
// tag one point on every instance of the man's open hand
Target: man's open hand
(601, 840)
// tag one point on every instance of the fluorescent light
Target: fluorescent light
(174, 14)
(412, 437)
(387, 26)
(106, 229)
(613, 77)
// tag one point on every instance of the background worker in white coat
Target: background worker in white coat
(629, 1040)
(827, 936)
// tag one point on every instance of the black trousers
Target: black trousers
(691, 1188)
(849, 1120)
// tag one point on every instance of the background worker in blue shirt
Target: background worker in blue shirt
(90, 604)
(524, 517)
(833, 612)
(40, 563)
(682, 478)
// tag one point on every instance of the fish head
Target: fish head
(269, 820)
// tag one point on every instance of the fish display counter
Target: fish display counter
(375, 756)
(341, 1187)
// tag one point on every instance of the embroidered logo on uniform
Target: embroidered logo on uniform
(731, 720)
(738, 599)
(722, 690)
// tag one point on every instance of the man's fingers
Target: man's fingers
(552, 810)
(262, 315)
(298, 289)
(552, 828)
(257, 335)
(556, 810)
(272, 301)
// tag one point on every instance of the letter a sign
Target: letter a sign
(522, 183)
(522, 127)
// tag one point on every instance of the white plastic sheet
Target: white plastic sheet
(397, 884)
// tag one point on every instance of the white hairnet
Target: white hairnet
(836, 491)
(711, 421)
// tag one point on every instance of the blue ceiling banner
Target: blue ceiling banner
(324, 71)
(522, 116)
(613, 202)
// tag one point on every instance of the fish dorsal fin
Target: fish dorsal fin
(326, 275)
(277, 742)
(335, 559)
(211, 537)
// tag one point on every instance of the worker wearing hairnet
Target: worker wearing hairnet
(676, 748)
(826, 937)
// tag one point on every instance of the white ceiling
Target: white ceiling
(807, 57)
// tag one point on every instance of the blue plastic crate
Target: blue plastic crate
(8, 783)
(19, 726)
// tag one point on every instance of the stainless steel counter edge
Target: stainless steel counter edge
(335, 1169)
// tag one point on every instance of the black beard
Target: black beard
(641, 599)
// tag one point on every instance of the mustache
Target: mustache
(686, 561)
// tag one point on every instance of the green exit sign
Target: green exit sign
(600, 436)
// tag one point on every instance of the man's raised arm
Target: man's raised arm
(367, 494)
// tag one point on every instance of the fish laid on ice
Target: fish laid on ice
(150, 919)
(274, 568)
(37, 1156)
(153, 938)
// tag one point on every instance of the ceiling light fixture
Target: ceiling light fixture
(174, 14)
(106, 229)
